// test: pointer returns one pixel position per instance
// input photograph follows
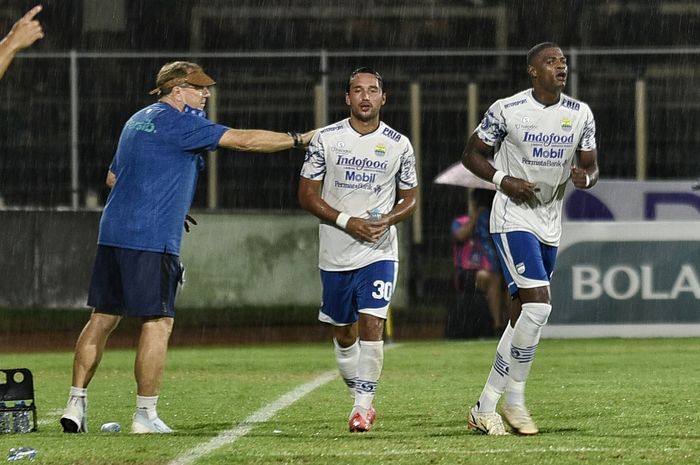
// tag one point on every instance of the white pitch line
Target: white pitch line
(232, 435)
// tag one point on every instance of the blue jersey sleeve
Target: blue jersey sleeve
(200, 134)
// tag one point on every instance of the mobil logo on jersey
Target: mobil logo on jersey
(540, 152)
(355, 176)
(362, 169)
(550, 146)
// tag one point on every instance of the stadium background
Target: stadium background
(269, 58)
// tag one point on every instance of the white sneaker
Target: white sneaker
(74, 419)
(143, 424)
(520, 420)
(487, 422)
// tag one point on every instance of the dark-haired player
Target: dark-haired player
(540, 140)
(359, 179)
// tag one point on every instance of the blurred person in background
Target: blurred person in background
(23, 34)
(477, 268)
(137, 270)
(359, 179)
(489, 278)
(540, 139)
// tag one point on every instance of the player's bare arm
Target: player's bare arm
(475, 160)
(306, 137)
(309, 196)
(23, 34)
(259, 140)
(585, 175)
(404, 208)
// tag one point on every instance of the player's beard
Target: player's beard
(365, 117)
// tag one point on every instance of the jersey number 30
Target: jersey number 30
(383, 290)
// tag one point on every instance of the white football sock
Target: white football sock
(78, 392)
(147, 405)
(498, 376)
(526, 337)
(347, 359)
(369, 368)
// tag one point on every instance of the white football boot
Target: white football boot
(486, 422)
(143, 424)
(74, 419)
(519, 419)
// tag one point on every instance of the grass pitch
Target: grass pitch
(611, 401)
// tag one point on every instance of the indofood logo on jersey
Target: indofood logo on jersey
(548, 144)
(364, 170)
(549, 139)
(363, 163)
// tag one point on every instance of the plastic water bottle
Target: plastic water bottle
(20, 453)
(21, 419)
(111, 427)
(5, 420)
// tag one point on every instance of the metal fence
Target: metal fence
(62, 114)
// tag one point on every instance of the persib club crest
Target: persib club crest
(566, 124)
(380, 150)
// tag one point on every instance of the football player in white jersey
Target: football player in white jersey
(540, 139)
(359, 179)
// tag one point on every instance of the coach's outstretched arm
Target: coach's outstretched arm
(260, 140)
(23, 34)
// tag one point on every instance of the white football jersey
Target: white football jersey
(536, 143)
(360, 174)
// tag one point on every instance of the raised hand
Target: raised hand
(26, 30)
